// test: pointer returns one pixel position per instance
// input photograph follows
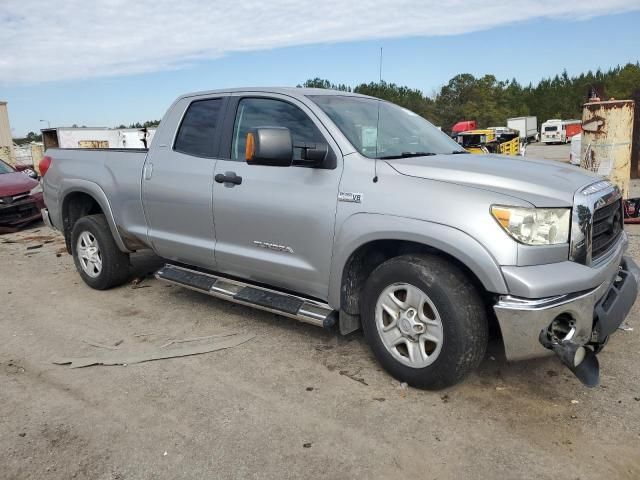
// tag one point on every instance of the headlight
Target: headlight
(534, 226)
(36, 189)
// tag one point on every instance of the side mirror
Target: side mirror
(313, 154)
(269, 146)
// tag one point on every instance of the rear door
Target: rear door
(178, 181)
(277, 225)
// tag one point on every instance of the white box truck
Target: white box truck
(527, 126)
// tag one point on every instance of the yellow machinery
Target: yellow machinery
(490, 140)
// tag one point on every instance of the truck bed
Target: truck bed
(116, 172)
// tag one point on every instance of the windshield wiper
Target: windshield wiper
(407, 155)
(456, 152)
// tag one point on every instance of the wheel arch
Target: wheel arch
(364, 245)
(84, 198)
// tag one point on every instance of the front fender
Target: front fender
(362, 228)
(92, 189)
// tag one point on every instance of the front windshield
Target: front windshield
(4, 168)
(379, 129)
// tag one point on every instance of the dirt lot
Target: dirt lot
(294, 402)
(549, 152)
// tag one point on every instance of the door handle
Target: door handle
(148, 171)
(228, 177)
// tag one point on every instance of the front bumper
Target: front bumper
(595, 314)
(16, 215)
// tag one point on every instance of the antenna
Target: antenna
(375, 161)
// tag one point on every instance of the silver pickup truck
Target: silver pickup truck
(336, 208)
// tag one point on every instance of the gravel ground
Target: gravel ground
(294, 402)
(549, 152)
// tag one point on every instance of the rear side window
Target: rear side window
(266, 112)
(197, 131)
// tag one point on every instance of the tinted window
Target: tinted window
(265, 112)
(550, 129)
(197, 130)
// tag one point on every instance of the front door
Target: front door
(277, 225)
(177, 183)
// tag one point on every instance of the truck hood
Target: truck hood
(14, 183)
(543, 183)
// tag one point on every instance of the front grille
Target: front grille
(607, 227)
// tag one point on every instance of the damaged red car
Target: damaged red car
(20, 199)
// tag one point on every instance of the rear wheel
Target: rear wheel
(424, 320)
(99, 261)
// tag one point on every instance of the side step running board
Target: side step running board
(292, 306)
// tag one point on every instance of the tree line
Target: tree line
(490, 101)
(147, 124)
(486, 99)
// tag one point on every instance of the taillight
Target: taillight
(44, 165)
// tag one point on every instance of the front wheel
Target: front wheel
(424, 320)
(99, 261)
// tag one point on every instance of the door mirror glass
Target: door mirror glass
(271, 146)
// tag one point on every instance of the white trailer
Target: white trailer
(135, 137)
(97, 137)
(527, 126)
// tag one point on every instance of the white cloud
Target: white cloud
(42, 40)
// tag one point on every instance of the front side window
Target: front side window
(379, 129)
(267, 112)
(197, 131)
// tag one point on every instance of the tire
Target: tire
(450, 299)
(90, 233)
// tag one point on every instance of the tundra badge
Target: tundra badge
(273, 246)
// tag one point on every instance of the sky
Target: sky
(107, 62)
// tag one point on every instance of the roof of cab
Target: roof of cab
(290, 91)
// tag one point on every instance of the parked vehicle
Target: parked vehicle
(574, 153)
(463, 126)
(502, 131)
(526, 126)
(20, 199)
(490, 140)
(555, 130)
(332, 207)
(572, 128)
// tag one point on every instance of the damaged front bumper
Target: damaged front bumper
(15, 215)
(565, 323)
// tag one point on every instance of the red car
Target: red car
(20, 199)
